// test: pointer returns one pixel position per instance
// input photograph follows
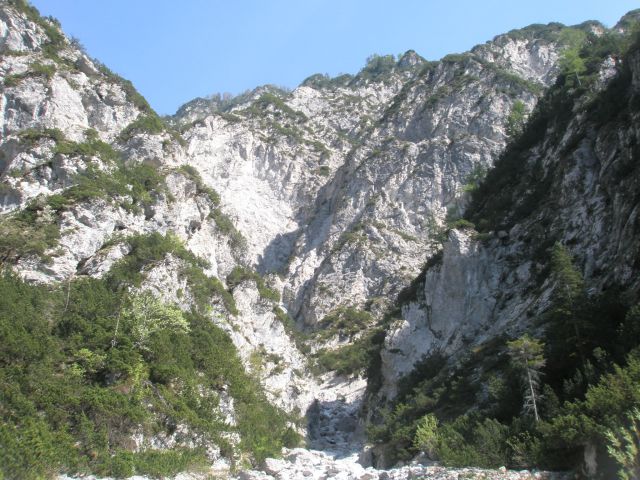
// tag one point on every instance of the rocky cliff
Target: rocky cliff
(302, 221)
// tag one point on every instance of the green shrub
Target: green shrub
(148, 315)
(461, 224)
(426, 437)
(130, 91)
(324, 170)
(149, 123)
(31, 231)
(320, 81)
(204, 289)
(289, 324)
(456, 58)
(624, 447)
(133, 186)
(192, 174)
(90, 148)
(516, 119)
(344, 321)
(482, 443)
(148, 250)
(226, 227)
(75, 385)
(351, 359)
(31, 136)
(242, 274)
(40, 69)
(377, 67)
(32, 449)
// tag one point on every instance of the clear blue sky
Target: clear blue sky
(174, 51)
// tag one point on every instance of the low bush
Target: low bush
(377, 67)
(461, 224)
(133, 186)
(192, 174)
(345, 322)
(298, 336)
(151, 249)
(32, 231)
(149, 123)
(31, 136)
(225, 225)
(75, 384)
(241, 274)
(355, 358)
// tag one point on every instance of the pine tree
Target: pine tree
(526, 355)
(571, 62)
(624, 447)
(516, 119)
(568, 302)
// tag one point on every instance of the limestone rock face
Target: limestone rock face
(482, 289)
(342, 188)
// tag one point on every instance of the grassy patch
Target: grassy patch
(36, 69)
(43, 70)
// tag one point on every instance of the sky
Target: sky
(174, 51)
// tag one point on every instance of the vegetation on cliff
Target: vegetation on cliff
(583, 370)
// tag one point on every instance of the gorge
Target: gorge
(338, 269)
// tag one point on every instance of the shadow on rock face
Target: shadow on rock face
(277, 253)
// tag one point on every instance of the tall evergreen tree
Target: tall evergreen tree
(526, 356)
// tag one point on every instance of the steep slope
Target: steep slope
(569, 178)
(555, 255)
(323, 182)
(342, 185)
(121, 361)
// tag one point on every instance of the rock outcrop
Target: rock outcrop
(485, 287)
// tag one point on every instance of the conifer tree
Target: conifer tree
(526, 356)
(568, 302)
(571, 63)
